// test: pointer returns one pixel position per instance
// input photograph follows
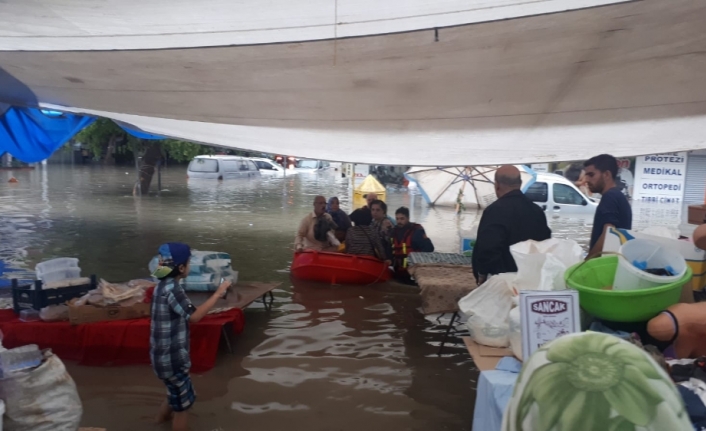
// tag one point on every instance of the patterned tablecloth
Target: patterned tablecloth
(444, 258)
(442, 285)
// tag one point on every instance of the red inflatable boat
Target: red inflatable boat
(338, 268)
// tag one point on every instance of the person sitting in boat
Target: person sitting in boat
(370, 198)
(316, 230)
(407, 237)
(383, 226)
(339, 217)
(362, 239)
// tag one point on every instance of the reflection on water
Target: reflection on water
(344, 357)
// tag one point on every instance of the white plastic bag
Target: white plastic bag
(487, 308)
(41, 399)
(541, 265)
(661, 231)
(515, 332)
(54, 313)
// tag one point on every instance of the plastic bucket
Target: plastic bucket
(591, 278)
(629, 277)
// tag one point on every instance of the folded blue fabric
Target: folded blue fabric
(598, 326)
(509, 363)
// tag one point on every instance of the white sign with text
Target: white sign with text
(660, 178)
(546, 316)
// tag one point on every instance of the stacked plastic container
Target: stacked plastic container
(207, 270)
(63, 268)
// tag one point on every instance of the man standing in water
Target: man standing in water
(511, 219)
(316, 230)
(614, 209)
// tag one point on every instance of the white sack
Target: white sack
(541, 265)
(41, 399)
(515, 332)
(488, 307)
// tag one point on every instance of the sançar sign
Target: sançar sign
(660, 177)
(549, 306)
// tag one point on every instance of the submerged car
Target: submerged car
(222, 167)
(312, 166)
(554, 193)
(271, 167)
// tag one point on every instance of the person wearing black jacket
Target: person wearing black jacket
(511, 219)
(407, 237)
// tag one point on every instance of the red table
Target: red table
(121, 342)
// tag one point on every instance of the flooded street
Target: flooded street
(325, 358)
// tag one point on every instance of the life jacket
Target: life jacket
(402, 247)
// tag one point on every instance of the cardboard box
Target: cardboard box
(79, 314)
(697, 214)
(694, 256)
(486, 358)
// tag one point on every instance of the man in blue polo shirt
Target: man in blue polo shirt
(614, 209)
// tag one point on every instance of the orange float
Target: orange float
(338, 268)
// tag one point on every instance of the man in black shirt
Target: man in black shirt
(511, 219)
(614, 209)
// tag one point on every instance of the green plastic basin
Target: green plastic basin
(591, 278)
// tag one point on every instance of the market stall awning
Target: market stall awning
(400, 82)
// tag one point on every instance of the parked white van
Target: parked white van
(555, 193)
(222, 167)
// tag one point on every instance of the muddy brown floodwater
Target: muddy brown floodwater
(325, 358)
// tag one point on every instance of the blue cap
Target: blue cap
(171, 255)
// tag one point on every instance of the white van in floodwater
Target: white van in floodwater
(554, 193)
(222, 168)
(316, 166)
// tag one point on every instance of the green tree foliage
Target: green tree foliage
(184, 151)
(97, 135)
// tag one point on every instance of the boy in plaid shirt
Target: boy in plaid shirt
(169, 332)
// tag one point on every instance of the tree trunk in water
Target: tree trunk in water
(153, 152)
(110, 150)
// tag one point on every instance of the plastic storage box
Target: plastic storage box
(55, 264)
(32, 296)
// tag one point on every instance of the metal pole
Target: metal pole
(159, 177)
(138, 187)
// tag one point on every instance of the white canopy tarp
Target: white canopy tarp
(624, 78)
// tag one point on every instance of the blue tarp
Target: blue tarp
(137, 132)
(32, 135)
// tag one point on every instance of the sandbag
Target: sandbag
(541, 265)
(487, 308)
(41, 399)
